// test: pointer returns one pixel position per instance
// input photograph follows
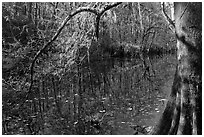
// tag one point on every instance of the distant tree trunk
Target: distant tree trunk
(29, 5)
(81, 126)
(183, 112)
(140, 15)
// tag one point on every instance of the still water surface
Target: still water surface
(121, 93)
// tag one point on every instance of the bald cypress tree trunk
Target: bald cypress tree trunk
(183, 112)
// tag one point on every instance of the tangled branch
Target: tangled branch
(83, 9)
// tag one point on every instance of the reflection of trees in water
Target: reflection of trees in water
(125, 87)
(93, 98)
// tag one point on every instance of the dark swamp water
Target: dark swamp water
(116, 96)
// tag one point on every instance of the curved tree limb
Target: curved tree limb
(148, 31)
(94, 11)
(167, 17)
(108, 7)
(83, 9)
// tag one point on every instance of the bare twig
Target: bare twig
(184, 10)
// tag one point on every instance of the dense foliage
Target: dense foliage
(67, 96)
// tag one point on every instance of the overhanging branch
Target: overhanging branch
(167, 17)
(94, 11)
(108, 7)
(83, 9)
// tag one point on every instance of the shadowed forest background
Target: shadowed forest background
(114, 78)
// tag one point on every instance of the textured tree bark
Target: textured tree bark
(183, 112)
